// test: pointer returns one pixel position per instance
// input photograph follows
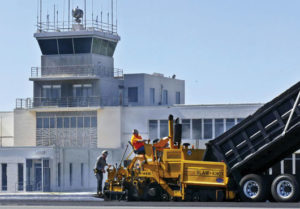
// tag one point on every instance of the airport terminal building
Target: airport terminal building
(82, 104)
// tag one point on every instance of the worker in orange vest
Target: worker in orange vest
(137, 142)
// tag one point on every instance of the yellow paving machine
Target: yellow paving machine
(168, 170)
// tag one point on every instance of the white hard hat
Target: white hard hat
(104, 152)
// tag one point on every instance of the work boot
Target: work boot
(100, 194)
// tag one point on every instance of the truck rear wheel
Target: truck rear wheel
(285, 188)
(252, 188)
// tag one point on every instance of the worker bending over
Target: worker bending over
(137, 142)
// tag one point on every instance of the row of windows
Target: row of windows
(66, 122)
(133, 96)
(194, 128)
(54, 91)
(77, 46)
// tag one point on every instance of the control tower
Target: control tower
(77, 65)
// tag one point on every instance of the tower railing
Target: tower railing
(88, 25)
(91, 101)
(76, 71)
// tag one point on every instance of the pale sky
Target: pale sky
(227, 51)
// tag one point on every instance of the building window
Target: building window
(132, 94)
(177, 97)
(71, 173)
(56, 91)
(20, 177)
(197, 128)
(53, 129)
(152, 96)
(87, 90)
(153, 126)
(65, 46)
(59, 122)
(82, 45)
(46, 91)
(81, 173)
(207, 128)
(48, 46)
(186, 128)
(51, 91)
(4, 177)
(163, 128)
(94, 122)
(165, 97)
(240, 119)
(80, 122)
(229, 123)
(219, 127)
(82, 90)
(58, 174)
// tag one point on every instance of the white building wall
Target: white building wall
(109, 127)
(24, 128)
(6, 129)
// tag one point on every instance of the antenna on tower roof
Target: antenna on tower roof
(112, 15)
(85, 14)
(116, 14)
(69, 14)
(54, 16)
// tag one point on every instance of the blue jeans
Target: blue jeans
(141, 149)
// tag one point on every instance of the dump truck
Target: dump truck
(234, 166)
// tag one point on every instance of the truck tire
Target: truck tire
(285, 188)
(252, 188)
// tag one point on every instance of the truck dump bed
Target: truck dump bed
(262, 139)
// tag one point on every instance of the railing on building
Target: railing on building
(38, 102)
(88, 25)
(76, 71)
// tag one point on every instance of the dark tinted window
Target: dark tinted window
(219, 127)
(80, 122)
(186, 127)
(164, 128)
(153, 126)
(52, 123)
(132, 94)
(59, 122)
(94, 121)
(207, 128)
(4, 176)
(65, 46)
(66, 122)
(39, 123)
(197, 128)
(229, 123)
(87, 122)
(20, 176)
(48, 46)
(111, 48)
(73, 122)
(46, 122)
(82, 45)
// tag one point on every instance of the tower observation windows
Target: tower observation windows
(104, 47)
(65, 46)
(48, 46)
(82, 45)
(77, 46)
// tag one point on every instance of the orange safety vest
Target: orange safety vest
(136, 142)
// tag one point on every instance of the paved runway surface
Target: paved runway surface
(36, 204)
